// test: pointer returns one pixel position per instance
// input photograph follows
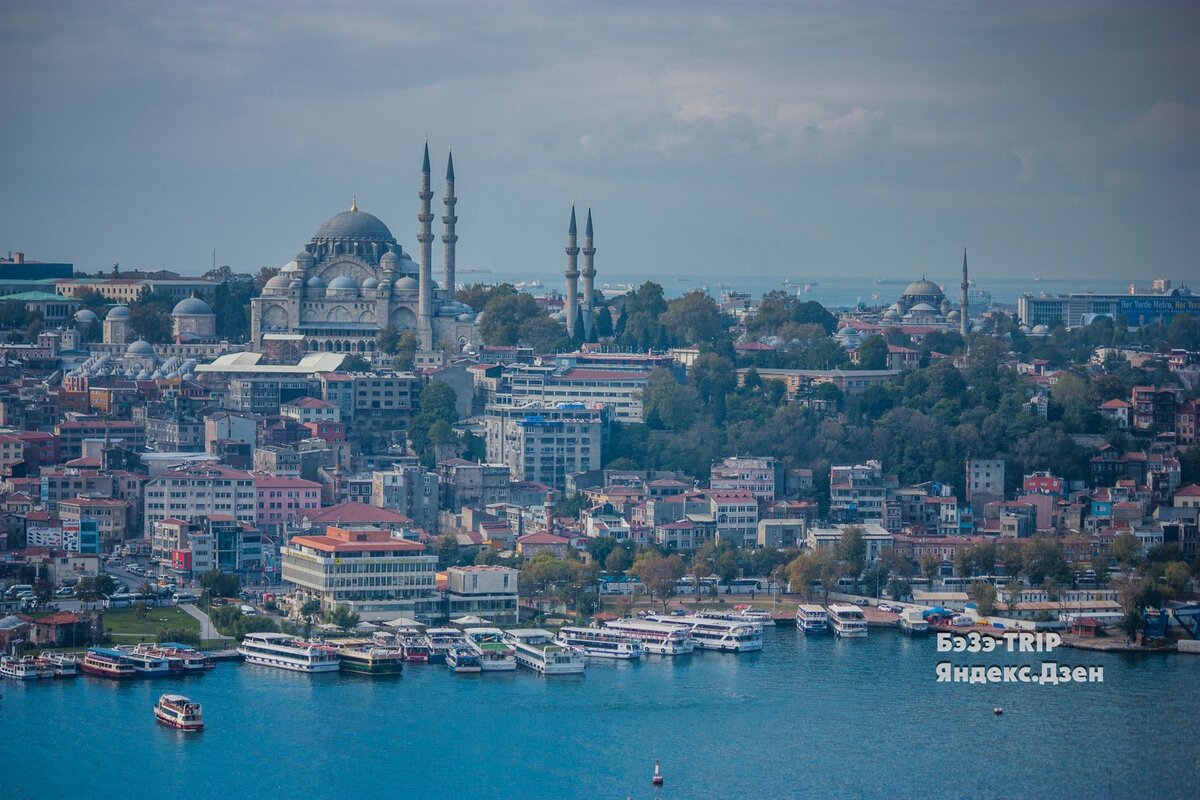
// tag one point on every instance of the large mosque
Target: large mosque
(353, 279)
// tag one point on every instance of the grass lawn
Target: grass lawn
(125, 628)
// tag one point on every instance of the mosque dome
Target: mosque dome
(370, 283)
(891, 313)
(140, 348)
(342, 286)
(118, 312)
(85, 316)
(304, 259)
(1040, 330)
(466, 317)
(923, 288)
(279, 281)
(354, 224)
(389, 260)
(953, 316)
(924, 308)
(315, 282)
(407, 284)
(192, 305)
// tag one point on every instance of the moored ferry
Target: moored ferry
(371, 659)
(847, 621)
(440, 641)
(180, 657)
(414, 645)
(21, 669)
(107, 663)
(179, 712)
(145, 664)
(535, 650)
(463, 658)
(495, 654)
(600, 643)
(747, 614)
(287, 652)
(812, 619)
(913, 622)
(63, 665)
(657, 638)
(724, 635)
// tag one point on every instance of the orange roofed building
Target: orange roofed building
(377, 573)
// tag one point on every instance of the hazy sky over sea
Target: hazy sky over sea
(717, 139)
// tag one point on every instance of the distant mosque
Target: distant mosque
(353, 279)
(924, 303)
(575, 307)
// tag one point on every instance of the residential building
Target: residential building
(757, 475)
(468, 483)
(363, 396)
(197, 491)
(985, 483)
(858, 492)
(544, 443)
(411, 490)
(875, 537)
(484, 591)
(279, 499)
(71, 435)
(109, 517)
(307, 410)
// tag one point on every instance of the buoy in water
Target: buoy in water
(658, 778)
(997, 711)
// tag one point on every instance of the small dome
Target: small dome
(891, 313)
(85, 316)
(315, 282)
(407, 284)
(140, 348)
(192, 305)
(304, 259)
(343, 282)
(954, 316)
(389, 260)
(1023, 329)
(118, 312)
(924, 308)
(466, 317)
(370, 283)
(144, 375)
(280, 281)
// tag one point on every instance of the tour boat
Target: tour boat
(657, 638)
(752, 616)
(22, 669)
(463, 658)
(440, 641)
(913, 623)
(535, 650)
(146, 665)
(179, 712)
(724, 635)
(600, 643)
(848, 622)
(371, 659)
(812, 619)
(495, 654)
(283, 651)
(107, 663)
(62, 664)
(414, 645)
(180, 657)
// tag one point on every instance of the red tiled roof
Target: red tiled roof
(542, 537)
(329, 544)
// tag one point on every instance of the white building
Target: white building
(411, 490)
(876, 538)
(545, 443)
(378, 574)
(485, 591)
(198, 491)
(758, 476)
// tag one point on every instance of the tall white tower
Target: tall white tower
(589, 277)
(425, 238)
(449, 220)
(572, 275)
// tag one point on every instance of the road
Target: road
(207, 630)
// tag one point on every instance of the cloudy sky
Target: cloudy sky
(792, 139)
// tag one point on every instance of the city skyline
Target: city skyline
(793, 141)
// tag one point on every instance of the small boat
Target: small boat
(849, 622)
(371, 659)
(463, 658)
(440, 641)
(104, 662)
(62, 664)
(812, 619)
(913, 623)
(655, 637)
(21, 669)
(724, 635)
(284, 651)
(179, 712)
(180, 657)
(416, 649)
(740, 613)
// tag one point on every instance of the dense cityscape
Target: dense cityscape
(433, 500)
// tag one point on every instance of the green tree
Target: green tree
(446, 549)
(983, 595)
(873, 353)
(618, 560)
(668, 404)
(504, 315)
(899, 589)
(344, 617)
(852, 548)
(811, 312)
(931, 565)
(660, 574)
(830, 570)
(544, 335)
(1125, 549)
(693, 319)
(221, 584)
(151, 322)
(802, 573)
(477, 295)
(603, 325)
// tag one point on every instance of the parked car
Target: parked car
(66, 591)
(884, 607)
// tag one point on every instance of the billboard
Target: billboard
(1150, 309)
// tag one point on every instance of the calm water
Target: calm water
(805, 718)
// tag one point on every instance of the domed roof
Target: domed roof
(923, 288)
(370, 283)
(343, 282)
(407, 284)
(118, 312)
(354, 225)
(279, 281)
(389, 258)
(140, 348)
(924, 308)
(192, 305)
(315, 282)
(466, 317)
(86, 315)
(891, 313)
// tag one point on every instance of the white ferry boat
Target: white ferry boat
(179, 712)
(913, 622)
(535, 649)
(463, 658)
(495, 654)
(656, 637)
(287, 652)
(600, 643)
(717, 634)
(752, 616)
(22, 669)
(62, 665)
(146, 665)
(440, 641)
(848, 621)
(180, 657)
(812, 619)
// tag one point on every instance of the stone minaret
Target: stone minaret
(572, 275)
(963, 322)
(589, 276)
(449, 219)
(425, 238)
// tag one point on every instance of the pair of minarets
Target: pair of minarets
(425, 239)
(573, 274)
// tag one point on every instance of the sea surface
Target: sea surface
(805, 718)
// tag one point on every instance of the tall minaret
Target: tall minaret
(589, 276)
(425, 238)
(572, 275)
(963, 322)
(448, 219)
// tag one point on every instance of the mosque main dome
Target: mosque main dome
(357, 225)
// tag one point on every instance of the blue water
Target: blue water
(805, 718)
